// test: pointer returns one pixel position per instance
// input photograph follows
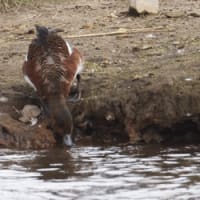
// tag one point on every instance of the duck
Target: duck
(50, 68)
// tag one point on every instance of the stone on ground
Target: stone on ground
(144, 6)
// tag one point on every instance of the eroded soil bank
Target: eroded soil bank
(142, 87)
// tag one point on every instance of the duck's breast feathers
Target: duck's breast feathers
(78, 60)
(31, 75)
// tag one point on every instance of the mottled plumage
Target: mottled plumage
(50, 68)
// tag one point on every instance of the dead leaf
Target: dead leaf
(30, 113)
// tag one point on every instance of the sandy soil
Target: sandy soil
(136, 87)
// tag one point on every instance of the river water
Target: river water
(101, 173)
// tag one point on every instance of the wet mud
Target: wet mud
(136, 88)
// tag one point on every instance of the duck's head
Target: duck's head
(61, 119)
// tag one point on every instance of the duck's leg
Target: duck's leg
(75, 98)
(78, 77)
(44, 108)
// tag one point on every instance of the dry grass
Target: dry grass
(5, 5)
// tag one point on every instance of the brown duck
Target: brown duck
(50, 68)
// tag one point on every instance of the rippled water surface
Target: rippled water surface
(94, 173)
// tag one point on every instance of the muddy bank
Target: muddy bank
(17, 135)
(142, 87)
(147, 108)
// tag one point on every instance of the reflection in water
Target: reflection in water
(94, 173)
(52, 164)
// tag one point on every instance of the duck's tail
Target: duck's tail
(42, 34)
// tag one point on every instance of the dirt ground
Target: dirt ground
(136, 87)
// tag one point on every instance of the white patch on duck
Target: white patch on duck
(27, 79)
(79, 68)
(50, 60)
(80, 65)
(70, 50)
(26, 57)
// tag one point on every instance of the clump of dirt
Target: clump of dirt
(142, 87)
(18, 135)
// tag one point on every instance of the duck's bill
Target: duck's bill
(68, 140)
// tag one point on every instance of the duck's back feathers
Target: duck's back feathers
(51, 65)
(48, 43)
(48, 63)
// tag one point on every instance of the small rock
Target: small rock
(188, 79)
(145, 47)
(113, 15)
(143, 6)
(135, 49)
(122, 30)
(181, 51)
(110, 116)
(87, 26)
(30, 31)
(175, 14)
(176, 43)
(194, 14)
(188, 114)
(3, 99)
(58, 30)
(150, 36)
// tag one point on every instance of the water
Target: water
(96, 173)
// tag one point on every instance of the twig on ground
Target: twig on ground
(120, 31)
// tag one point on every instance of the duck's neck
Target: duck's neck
(60, 114)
